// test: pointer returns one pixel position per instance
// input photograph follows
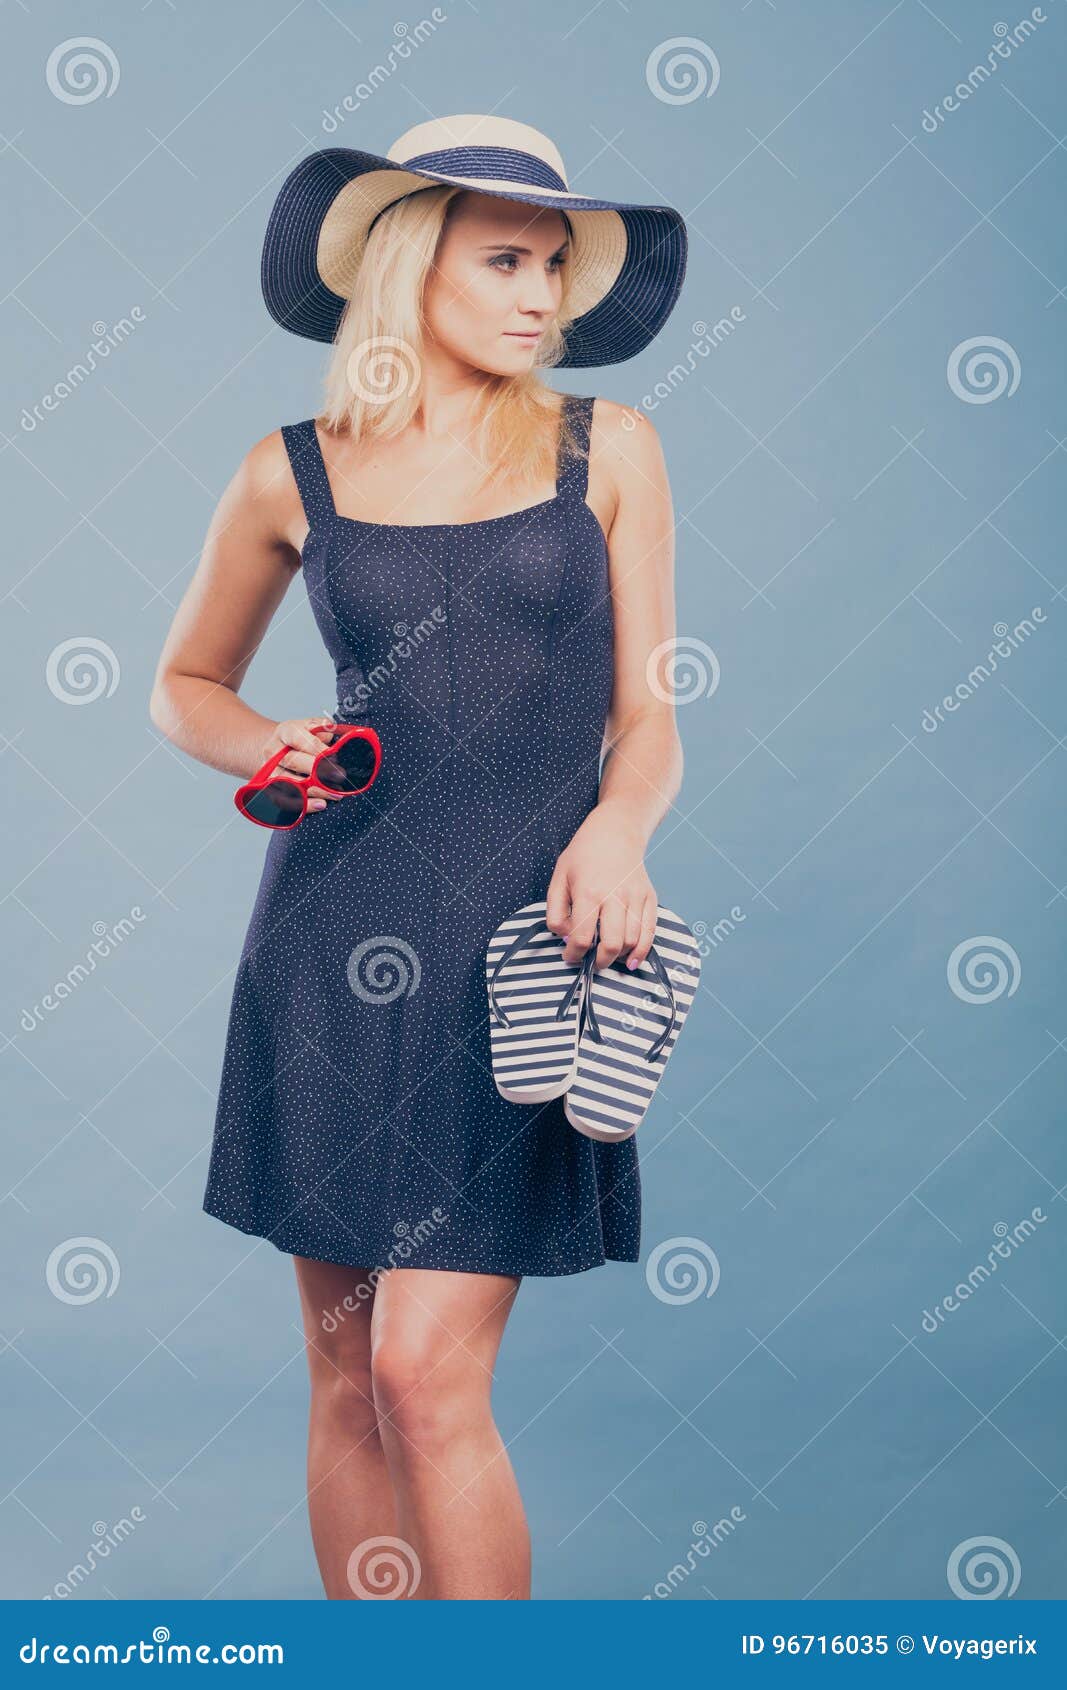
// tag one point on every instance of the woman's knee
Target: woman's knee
(336, 1304)
(339, 1369)
(426, 1387)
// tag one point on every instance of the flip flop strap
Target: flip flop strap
(660, 971)
(664, 978)
(586, 975)
(572, 991)
(516, 944)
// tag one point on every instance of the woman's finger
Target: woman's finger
(632, 933)
(612, 932)
(581, 931)
(299, 736)
(649, 912)
(557, 901)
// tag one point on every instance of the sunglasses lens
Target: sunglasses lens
(349, 768)
(275, 805)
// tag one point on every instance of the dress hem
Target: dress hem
(296, 1249)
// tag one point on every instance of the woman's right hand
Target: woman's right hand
(304, 746)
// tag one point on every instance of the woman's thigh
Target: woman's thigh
(336, 1305)
(434, 1331)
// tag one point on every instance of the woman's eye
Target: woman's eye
(508, 262)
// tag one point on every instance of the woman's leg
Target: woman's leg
(350, 1499)
(435, 1337)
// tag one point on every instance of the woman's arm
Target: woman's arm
(601, 875)
(245, 568)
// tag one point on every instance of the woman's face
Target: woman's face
(497, 282)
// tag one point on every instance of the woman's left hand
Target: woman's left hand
(601, 876)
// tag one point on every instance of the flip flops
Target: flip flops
(599, 1040)
(631, 1024)
(534, 1008)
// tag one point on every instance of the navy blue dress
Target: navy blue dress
(357, 1117)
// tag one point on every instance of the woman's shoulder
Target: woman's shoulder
(622, 438)
(269, 462)
(267, 457)
(264, 480)
(613, 414)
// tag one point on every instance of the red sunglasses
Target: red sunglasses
(347, 766)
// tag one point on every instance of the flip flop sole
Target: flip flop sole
(615, 1081)
(535, 1054)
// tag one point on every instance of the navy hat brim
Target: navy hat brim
(618, 327)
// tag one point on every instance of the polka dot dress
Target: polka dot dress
(357, 1118)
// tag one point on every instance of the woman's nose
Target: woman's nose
(537, 295)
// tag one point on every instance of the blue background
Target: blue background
(840, 1128)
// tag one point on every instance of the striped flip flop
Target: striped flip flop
(535, 1001)
(631, 1025)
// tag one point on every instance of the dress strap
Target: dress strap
(309, 470)
(572, 473)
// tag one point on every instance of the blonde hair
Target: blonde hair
(373, 381)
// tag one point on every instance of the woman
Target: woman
(491, 570)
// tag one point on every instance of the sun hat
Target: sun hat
(627, 261)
